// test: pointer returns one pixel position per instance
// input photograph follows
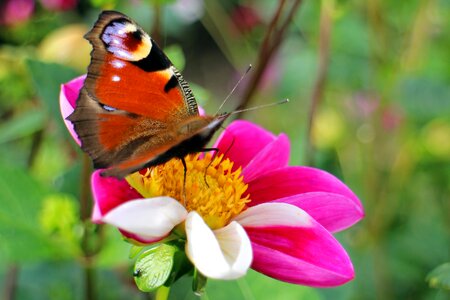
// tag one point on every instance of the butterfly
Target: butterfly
(135, 110)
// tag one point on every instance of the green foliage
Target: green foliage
(175, 54)
(440, 277)
(47, 79)
(15, 86)
(253, 286)
(22, 125)
(59, 219)
(384, 130)
(21, 239)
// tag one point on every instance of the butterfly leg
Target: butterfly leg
(216, 150)
(184, 179)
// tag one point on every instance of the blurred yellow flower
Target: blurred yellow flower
(436, 138)
(67, 46)
(328, 129)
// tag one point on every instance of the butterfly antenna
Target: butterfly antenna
(259, 106)
(234, 88)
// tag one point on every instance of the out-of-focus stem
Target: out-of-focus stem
(217, 23)
(326, 23)
(271, 43)
(9, 288)
(85, 211)
(156, 28)
(85, 189)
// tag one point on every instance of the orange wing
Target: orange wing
(129, 72)
(133, 96)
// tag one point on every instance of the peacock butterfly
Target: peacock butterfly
(135, 110)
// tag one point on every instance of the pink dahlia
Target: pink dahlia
(243, 207)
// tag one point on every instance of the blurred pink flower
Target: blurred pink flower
(363, 105)
(245, 18)
(287, 213)
(58, 5)
(13, 12)
(392, 117)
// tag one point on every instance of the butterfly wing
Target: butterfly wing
(133, 102)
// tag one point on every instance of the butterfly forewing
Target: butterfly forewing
(135, 109)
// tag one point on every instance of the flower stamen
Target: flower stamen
(211, 187)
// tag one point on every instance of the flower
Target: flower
(15, 12)
(243, 207)
(59, 5)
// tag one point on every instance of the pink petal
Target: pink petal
(334, 212)
(109, 192)
(291, 181)
(273, 156)
(242, 140)
(302, 255)
(67, 101)
(326, 266)
(290, 245)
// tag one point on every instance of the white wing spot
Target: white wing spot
(118, 64)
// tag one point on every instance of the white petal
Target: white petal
(150, 218)
(267, 214)
(222, 254)
(236, 247)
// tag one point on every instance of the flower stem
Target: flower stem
(271, 42)
(326, 23)
(199, 283)
(85, 190)
(162, 293)
(85, 211)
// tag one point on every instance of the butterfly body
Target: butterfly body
(135, 109)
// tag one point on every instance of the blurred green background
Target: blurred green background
(369, 84)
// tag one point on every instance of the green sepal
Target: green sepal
(181, 266)
(134, 251)
(153, 267)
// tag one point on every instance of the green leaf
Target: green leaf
(153, 267)
(439, 278)
(22, 125)
(47, 79)
(20, 236)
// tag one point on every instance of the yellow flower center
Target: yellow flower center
(212, 189)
